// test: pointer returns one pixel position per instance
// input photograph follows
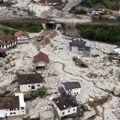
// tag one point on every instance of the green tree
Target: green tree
(42, 91)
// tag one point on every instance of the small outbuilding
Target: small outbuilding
(41, 60)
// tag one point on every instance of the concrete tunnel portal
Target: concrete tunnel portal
(51, 25)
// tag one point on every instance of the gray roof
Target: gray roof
(78, 43)
(61, 90)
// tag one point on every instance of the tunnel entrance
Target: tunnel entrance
(50, 26)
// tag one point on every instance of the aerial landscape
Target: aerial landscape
(59, 59)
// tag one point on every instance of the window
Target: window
(63, 113)
(29, 85)
(38, 85)
(11, 113)
(22, 108)
(68, 110)
(11, 109)
(14, 113)
(73, 109)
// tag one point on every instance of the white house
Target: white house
(30, 82)
(41, 60)
(65, 106)
(22, 37)
(72, 88)
(7, 41)
(12, 106)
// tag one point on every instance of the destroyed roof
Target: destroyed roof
(9, 102)
(65, 102)
(19, 33)
(7, 38)
(78, 43)
(41, 57)
(30, 79)
(71, 85)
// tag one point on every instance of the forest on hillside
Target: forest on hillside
(101, 33)
(111, 4)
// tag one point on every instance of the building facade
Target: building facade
(30, 82)
(7, 41)
(72, 88)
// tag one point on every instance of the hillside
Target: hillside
(111, 4)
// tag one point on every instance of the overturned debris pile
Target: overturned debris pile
(44, 38)
(79, 62)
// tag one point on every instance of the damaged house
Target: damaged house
(65, 106)
(79, 46)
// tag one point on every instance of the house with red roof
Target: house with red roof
(41, 60)
(22, 37)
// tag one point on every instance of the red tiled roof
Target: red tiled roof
(41, 57)
(6, 38)
(19, 33)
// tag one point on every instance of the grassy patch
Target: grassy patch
(6, 29)
(25, 26)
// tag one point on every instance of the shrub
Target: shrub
(42, 91)
(75, 10)
(2, 95)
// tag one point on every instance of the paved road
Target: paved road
(71, 4)
(37, 19)
(51, 20)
